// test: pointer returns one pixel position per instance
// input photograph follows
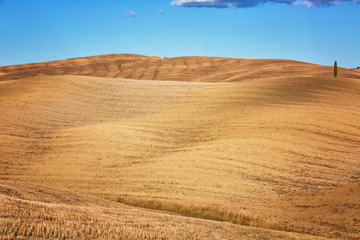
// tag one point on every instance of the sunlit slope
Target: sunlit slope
(247, 146)
(193, 69)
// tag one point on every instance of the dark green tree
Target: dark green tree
(335, 69)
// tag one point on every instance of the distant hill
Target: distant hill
(192, 69)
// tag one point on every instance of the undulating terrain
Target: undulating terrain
(190, 69)
(274, 140)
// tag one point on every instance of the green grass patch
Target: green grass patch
(284, 229)
(212, 213)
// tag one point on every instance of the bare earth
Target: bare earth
(275, 139)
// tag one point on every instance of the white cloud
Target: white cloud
(304, 3)
(131, 14)
(252, 3)
(184, 2)
(203, 3)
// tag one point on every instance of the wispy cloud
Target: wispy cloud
(305, 3)
(204, 3)
(161, 11)
(252, 3)
(131, 14)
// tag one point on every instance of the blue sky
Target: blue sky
(316, 31)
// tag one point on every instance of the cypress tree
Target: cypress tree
(335, 69)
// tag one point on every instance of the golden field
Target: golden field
(277, 141)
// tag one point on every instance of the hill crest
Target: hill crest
(190, 69)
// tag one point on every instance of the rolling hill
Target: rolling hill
(34, 212)
(275, 140)
(190, 69)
